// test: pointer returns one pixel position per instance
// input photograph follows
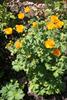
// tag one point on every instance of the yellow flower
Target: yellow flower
(34, 24)
(50, 26)
(18, 44)
(54, 18)
(54, 23)
(59, 24)
(49, 43)
(56, 52)
(19, 28)
(21, 15)
(8, 31)
(27, 9)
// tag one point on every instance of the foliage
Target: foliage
(5, 16)
(39, 44)
(11, 91)
(44, 62)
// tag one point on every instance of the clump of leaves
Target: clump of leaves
(11, 91)
(41, 53)
(43, 68)
(5, 16)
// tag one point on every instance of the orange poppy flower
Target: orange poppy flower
(18, 44)
(34, 24)
(50, 26)
(56, 52)
(49, 43)
(21, 15)
(59, 24)
(8, 31)
(54, 18)
(19, 28)
(54, 23)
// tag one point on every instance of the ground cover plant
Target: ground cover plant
(38, 46)
(11, 92)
